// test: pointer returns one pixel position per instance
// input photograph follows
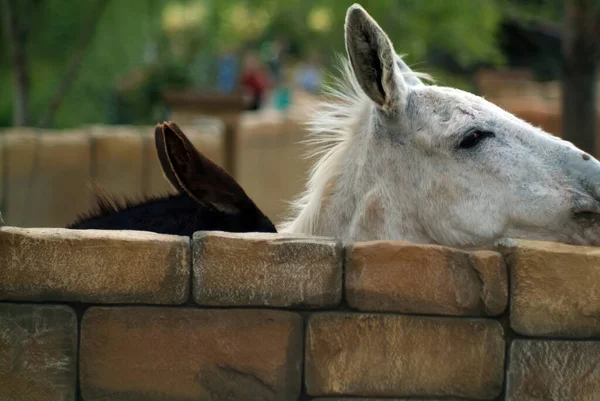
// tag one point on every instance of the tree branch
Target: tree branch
(74, 64)
(580, 51)
(17, 31)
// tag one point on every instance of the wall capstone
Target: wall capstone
(266, 269)
(55, 264)
(555, 290)
(384, 276)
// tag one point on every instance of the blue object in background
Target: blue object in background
(310, 78)
(227, 73)
(282, 98)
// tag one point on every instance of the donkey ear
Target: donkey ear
(161, 151)
(206, 182)
(373, 59)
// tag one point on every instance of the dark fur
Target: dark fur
(208, 198)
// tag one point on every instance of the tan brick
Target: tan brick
(428, 279)
(266, 270)
(38, 346)
(118, 158)
(154, 181)
(554, 370)
(190, 354)
(19, 148)
(262, 146)
(555, 290)
(57, 264)
(375, 355)
(60, 188)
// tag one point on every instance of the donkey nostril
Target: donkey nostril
(585, 156)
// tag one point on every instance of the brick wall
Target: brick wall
(100, 315)
(123, 159)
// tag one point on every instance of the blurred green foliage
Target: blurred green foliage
(120, 82)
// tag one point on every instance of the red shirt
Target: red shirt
(255, 82)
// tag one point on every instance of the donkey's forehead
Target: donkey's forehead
(447, 111)
(450, 104)
(441, 105)
(451, 97)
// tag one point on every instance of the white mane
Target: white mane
(330, 129)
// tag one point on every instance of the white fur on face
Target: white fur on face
(403, 175)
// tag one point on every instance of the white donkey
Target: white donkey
(401, 160)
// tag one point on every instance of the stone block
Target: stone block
(425, 279)
(118, 160)
(555, 290)
(18, 152)
(154, 181)
(263, 145)
(264, 269)
(55, 264)
(38, 352)
(150, 353)
(554, 370)
(60, 189)
(377, 355)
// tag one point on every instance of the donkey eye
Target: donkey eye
(473, 138)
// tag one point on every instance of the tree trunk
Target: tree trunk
(580, 55)
(16, 33)
(74, 64)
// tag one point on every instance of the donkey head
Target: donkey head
(209, 185)
(207, 198)
(432, 164)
